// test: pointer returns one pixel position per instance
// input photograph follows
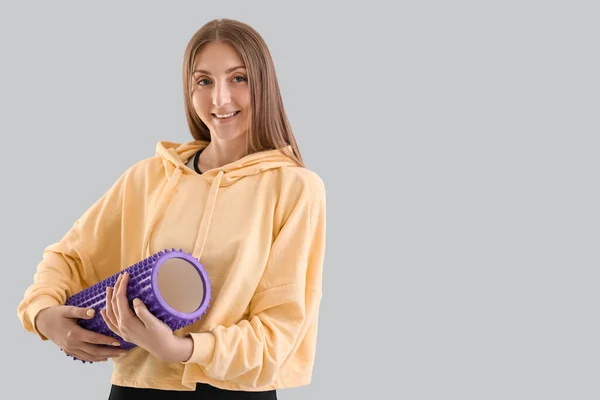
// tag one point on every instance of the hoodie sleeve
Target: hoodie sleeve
(66, 266)
(285, 305)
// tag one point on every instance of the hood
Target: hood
(174, 157)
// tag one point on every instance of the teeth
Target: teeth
(225, 115)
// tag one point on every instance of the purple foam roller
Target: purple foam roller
(172, 284)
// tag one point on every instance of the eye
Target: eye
(241, 77)
(203, 80)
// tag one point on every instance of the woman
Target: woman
(237, 197)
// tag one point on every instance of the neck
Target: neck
(219, 153)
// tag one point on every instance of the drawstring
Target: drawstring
(208, 213)
(160, 207)
(163, 201)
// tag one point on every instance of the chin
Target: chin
(228, 136)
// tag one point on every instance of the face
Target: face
(220, 95)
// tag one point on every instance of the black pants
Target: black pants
(203, 391)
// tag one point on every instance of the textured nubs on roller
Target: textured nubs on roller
(173, 285)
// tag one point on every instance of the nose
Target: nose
(221, 95)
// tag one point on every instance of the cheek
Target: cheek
(200, 105)
(244, 102)
(247, 104)
(242, 97)
(199, 100)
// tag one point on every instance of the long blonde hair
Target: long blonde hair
(269, 127)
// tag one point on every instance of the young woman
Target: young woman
(237, 197)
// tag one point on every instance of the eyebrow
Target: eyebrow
(227, 71)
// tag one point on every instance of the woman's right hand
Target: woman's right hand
(59, 325)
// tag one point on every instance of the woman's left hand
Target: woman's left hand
(140, 327)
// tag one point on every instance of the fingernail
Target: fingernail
(137, 302)
(116, 343)
(90, 313)
(122, 354)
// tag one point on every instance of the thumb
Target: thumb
(143, 313)
(78, 312)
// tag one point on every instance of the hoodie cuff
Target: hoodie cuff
(34, 309)
(204, 348)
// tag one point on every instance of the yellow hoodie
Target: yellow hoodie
(258, 227)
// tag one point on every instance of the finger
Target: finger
(113, 300)
(93, 344)
(79, 334)
(109, 307)
(147, 318)
(125, 312)
(83, 355)
(78, 312)
(100, 352)
(109, 323)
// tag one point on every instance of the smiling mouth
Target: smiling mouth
(225, 116)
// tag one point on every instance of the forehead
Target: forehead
(217, 57)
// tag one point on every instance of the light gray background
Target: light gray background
(458, 143)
